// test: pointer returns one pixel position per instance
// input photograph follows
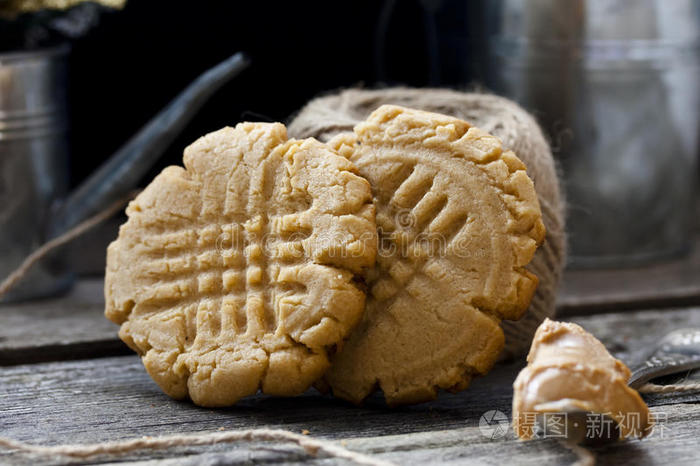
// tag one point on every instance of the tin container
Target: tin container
(615, 85)
(33, 163)
(33, 170)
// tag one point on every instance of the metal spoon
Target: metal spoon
(676, 352)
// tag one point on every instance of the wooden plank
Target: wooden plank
(113, 398)
(69, 327)
(626, 334)
(467, 445)
(671, 283)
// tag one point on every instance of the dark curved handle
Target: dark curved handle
(120, 174)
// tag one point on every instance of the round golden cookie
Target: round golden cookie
(458, 219)
(236, 273)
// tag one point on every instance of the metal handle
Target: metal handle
(120, 174)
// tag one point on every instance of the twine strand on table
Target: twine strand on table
(311, 445)
(671, 388)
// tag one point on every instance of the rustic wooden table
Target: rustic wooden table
(66, 378)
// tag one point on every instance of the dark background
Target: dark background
(130, 63)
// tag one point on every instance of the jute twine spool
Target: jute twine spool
(327, 116)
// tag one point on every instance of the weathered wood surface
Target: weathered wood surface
(672, 283)
(113, 398)
(68, 327)
(675, 282)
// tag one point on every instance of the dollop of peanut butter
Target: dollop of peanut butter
(568, 370)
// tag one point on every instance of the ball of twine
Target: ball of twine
(330, 115)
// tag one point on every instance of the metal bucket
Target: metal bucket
(33, 159)
(615, 84)
(33, 163)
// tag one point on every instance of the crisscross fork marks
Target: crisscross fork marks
(231, 263)
(267, 245)
(417, 217)
(219, 279)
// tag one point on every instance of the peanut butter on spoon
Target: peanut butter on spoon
(570, 371)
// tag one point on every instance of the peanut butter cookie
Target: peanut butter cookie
(458, 219)
(236, 273)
